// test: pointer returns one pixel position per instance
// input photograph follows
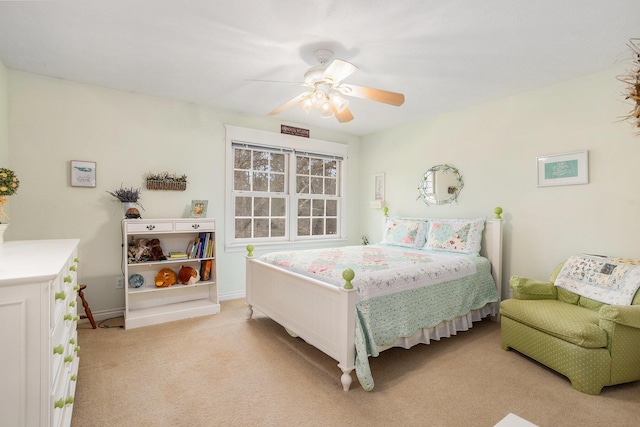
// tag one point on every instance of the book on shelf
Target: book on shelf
(205, 270)
(177, 255)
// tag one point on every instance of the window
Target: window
(279, 193)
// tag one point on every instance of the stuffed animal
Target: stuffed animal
(156, 250)
(188, 275)
(139, 251)
(165, 278)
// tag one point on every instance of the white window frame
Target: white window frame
(253, 137)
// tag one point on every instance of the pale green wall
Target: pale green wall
(495, 146)
(53, 121)
(4, 117)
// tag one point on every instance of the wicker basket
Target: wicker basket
(156, 184)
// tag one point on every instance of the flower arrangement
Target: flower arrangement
(9, 184)
(166, 181)
(127, 195)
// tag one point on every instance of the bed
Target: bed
(354, 302)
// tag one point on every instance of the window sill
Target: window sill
(281, 246)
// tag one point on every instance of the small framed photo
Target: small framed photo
(83, 174)
(199, 208)
(563, 169)
(378, 186)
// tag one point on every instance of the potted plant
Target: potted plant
(9, 184)
(166, 181)
(129, 197)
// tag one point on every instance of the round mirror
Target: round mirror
(440, 185)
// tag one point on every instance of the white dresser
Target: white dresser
(38, 319)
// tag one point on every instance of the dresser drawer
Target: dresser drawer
(149, 227)
(196, 226)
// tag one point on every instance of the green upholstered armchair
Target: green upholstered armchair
(591, 343)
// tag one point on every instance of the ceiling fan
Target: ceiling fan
(326, 89)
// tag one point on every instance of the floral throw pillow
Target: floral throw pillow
(405, 232)
(455, 235)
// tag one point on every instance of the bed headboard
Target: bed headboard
(491, 244)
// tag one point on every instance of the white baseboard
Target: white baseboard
(232, 295)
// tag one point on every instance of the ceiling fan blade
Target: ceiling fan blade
(343, 116)
(379, 95)
(339, 70)
(288, 104)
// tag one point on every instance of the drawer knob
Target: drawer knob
(151, 227)
(58, 349)
(195, 226)
(61, 295)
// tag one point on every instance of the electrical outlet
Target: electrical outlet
(120, 282)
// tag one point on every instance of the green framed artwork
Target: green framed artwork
(563, 169)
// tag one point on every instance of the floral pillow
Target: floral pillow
(405, 232)
(455, 235)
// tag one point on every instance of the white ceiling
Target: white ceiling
(443, 55)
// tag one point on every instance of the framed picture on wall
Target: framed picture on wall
(199, 208)
(563, 169)
(378, 186)
(83, 174)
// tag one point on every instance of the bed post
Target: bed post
(249, 279)
(492, 247)
(347, 356)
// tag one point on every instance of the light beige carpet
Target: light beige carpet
(224, 370)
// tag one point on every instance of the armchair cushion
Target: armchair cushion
(568, 322)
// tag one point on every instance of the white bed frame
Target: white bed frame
(324, 315)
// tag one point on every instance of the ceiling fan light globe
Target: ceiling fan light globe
(318, 98)
(338, 102)
(306, 104)
(326, 111)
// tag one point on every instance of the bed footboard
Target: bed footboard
(322, 315)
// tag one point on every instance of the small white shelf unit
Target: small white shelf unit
(149, 304)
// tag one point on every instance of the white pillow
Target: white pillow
(455, 235)
(405, 232)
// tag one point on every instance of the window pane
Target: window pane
(242, 159)
(278, 207)
(243, 228)
(277, 183)
(332, 226)
(261, 160)
(261, 206)
(304, 207)
(261, 227)
(332, 208)
(316, 186)
(330, 186)
(330, 168)
(241, 181)
(302, 165)
(278, 227)
(243, 206)
(303, 227)
(317, 226)
(277, 162)
(302, 185)
(318, 207)
(317, 167)
(260, 181)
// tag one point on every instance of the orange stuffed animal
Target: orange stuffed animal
(165, 278)
(188, 275)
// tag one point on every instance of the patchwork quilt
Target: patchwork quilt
(399, 290)
(601, 278)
